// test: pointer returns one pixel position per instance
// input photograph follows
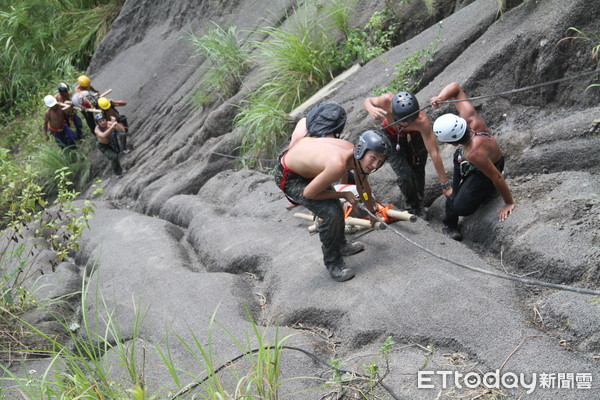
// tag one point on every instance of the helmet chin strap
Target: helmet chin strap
(357, 167)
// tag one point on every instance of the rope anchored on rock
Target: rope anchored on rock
(483, 271)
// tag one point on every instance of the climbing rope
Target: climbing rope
(524, 88)
(483, 271)
(306, 352)
(596, 71)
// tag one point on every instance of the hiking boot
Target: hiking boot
(349, 248)
(452, 233)
(340, 273)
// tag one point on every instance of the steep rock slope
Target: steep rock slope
(186, 235)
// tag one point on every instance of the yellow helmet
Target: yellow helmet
(83, 81)
(104, 103)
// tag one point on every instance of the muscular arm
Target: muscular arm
(486, 166)
(317, 189)
(299, 132)
(46, 126)
(465, 109)
(433, 150)
(379, 107)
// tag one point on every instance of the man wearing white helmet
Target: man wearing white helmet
(55, 123)
(478, 160)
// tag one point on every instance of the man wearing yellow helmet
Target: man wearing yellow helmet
(108, 106)
(88, 95)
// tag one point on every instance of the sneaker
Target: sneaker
(125, 151)
(340, 273)
(350, 248)
(452, 233)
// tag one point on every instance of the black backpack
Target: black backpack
(326, 118)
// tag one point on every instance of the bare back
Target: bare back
(309, 157)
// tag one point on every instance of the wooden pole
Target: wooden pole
(350, 221)
(402, 215)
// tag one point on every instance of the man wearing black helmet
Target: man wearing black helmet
(409, 129)
(63, 96)
(326, 119)
(306, 174)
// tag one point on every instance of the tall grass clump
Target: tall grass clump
(254, 374)
(43, 40)
(295, 60)
(298, 58)
(229, 60)
(80, 363)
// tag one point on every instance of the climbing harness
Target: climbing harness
(483, 271)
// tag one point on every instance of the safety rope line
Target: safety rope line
(524, 88)
(596, 71)
(496, 274)
(306, 352)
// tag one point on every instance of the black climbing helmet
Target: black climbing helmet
(63, 88)
(99, 116)
(405, 107)
(372, 140)
(326, 118)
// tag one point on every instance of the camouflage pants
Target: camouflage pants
(409, 165)
(112, 155)
(331, 230)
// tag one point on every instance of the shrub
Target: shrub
(409, 72)
(229, 63)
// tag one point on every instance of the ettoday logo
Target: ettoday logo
(506, 380)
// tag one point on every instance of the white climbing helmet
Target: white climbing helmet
(50, 101)
(449, 128)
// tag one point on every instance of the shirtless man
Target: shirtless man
(105, 131)
(414, 139)
(306, 173)
(63, 96)
(55, 124)
(110, 112)
(478, 161)
(326, 119)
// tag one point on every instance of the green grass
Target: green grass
(229, 60)
(592, 38)
(64, 39)
(409, 72)
(297, 59)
